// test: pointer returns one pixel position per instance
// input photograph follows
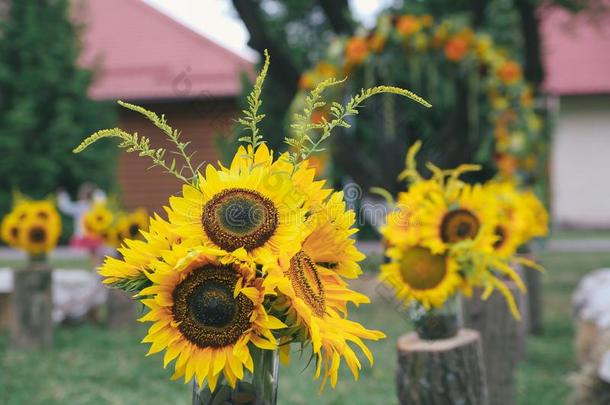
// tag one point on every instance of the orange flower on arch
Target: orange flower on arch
(456, 48)
(510, 72)
(408, 25)
(356, 50)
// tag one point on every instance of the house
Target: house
(145, 57)
(577, 63)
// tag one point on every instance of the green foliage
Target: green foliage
(44, 107)
(131, 142)
(133, 285)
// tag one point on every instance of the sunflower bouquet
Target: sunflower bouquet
(111, 226)
(33, 226)
(253, 257)
(447, 237)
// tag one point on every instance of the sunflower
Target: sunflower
(402, 223)
(11, 229)
(98, 220)
(254, 204)
(206, 310)
(418, 274)
(43, 210)
(130, 225)
(462, 212)
(22, 209)
(537, 216)
(314, 294)
(37, 236)
(137, 257)
(512, 222)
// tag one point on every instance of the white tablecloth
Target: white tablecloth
(75, 292)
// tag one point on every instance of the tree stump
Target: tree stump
(32, 306)
(121, 310)
(441, 372)
(533, 282)
(503, 339)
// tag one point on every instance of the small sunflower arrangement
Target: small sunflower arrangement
(521, 217)
(417, 51)
(253, 256)
(33, 226)
(446, 237)
(112, 226)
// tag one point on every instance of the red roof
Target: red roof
(576, 52)
(143, 54)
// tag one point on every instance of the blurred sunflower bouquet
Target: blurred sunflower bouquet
(112, 226)
(446, 237)
(254, 256)
(33, 226)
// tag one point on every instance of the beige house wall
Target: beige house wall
(580, 163)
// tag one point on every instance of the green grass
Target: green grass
(563, 234)
(92, 365)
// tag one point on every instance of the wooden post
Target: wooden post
(5, 310)
(533, 282)
(441, 372)
(121, 310)
(503, 339)
(31, 307)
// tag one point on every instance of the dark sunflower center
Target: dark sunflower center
(501, 234)
(458, 225)
(209, 314)
(303, 275)
(38, 234)
(43, 215)
(212, 304)
(14, 232)
(239, 217)
(133, 230)
(422, 270)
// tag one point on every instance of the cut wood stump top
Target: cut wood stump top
(413, 343)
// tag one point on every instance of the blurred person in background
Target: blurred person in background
(88, 194)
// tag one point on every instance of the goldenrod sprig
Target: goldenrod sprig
(302, 125)
(134, 143)
(141, 144)
(172, 134)
(302, 141)
(251, 116)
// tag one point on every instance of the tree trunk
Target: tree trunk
(503, 340)
(31, 308)
(121, 310)
(441, 372)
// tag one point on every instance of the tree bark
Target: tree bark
(503, 340)
(441, 372)
(338, 14)
(283, 69)
(534, 70)
(31, 307)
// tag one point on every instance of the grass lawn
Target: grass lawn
(90, 365)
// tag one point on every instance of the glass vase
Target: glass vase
(257, 388)
(437, 323)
